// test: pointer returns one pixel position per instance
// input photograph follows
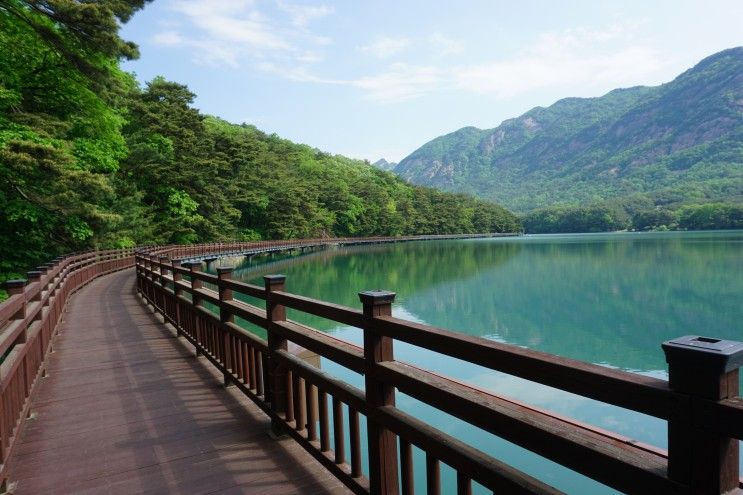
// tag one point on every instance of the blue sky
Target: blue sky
(378, 79)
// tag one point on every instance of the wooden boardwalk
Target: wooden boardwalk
(126, 408)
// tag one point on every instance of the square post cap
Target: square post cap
(34, 274)
(15, 284)
(377, 297)
(224, 269)
(274, 279)
(716, 355)
(210, 259)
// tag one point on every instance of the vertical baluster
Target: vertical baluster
(354, 432)
(177, 292)
(406, 466)
(289, 396)
(224, 274)
(338, 432)
(237, 345)
(163, 283)
(299, 403)
(433, 475)
(322, 400)
(251, 368)
(196, 284)
(464, 485)
(311, 407)
(234, 344)
(260, 386)
(244, 361)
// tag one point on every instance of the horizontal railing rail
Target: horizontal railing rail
(28, 324)
(702, 407)
(192, 252)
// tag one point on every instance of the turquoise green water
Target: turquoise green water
(610, 299)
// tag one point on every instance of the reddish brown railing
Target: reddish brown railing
(201, 251)
(28, 322)
(700, 403)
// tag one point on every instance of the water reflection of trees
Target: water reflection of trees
(600, 300)
(337, 275)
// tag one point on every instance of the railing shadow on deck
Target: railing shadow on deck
(29, 320)
(184, 394)
(701, 402)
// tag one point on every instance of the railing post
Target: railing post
(378, 348)
(163, 282)
(276, 371)
(34, 276)
(225, 294)
(196, 284)
(704, 369)
(15, 287)
(177, 293)
(137, 273)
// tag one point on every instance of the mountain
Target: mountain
(674, 143)
(385, 165)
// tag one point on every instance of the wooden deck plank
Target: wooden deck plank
(127, 408)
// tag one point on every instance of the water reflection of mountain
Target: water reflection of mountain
(607, 299)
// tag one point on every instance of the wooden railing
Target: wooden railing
(700, 402)
(201, 251)
(28, 323)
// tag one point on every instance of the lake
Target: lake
(609, 299)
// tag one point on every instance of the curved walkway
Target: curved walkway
(126, 408)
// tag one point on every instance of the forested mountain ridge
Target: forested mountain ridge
(88, 158)
(680, 142)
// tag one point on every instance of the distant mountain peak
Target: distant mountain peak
(682, 136)
(385, 165)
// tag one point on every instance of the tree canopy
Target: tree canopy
(88, 158)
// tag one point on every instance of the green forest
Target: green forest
(91, 159)
(635, 213)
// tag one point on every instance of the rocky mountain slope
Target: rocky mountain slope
(678, 142)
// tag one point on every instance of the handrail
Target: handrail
(28, 323)
(200, 251)
(704, 416)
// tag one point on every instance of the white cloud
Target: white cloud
(576, 60)
(231, 21)
(401, 82)
(445, 45)
(302, 15)
(384, 46)
(230, 32)
(168, 38)
(571, 59)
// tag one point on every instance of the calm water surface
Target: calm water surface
(610, 299)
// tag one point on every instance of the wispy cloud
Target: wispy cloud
(401, 82)
(594, 59)
(566, 59)
(228, 32)
(302, 15)
(384, 46)
(233, 32)
(444, 45)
